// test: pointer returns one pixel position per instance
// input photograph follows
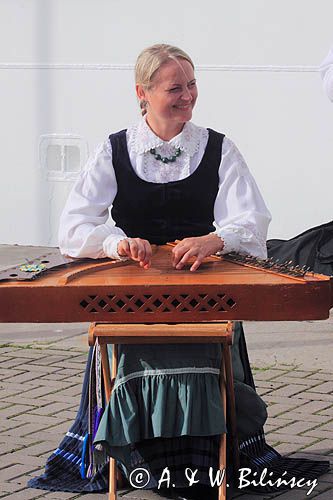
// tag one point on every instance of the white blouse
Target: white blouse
(326, 70)
(240, 215)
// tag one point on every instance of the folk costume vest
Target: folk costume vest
(161, 212)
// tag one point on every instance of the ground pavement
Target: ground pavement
(41, 370)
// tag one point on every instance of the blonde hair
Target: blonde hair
(150, 60)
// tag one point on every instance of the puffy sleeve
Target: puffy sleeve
(326, 71)
(241, 216)
(86, 228)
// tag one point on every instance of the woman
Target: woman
(166, 179)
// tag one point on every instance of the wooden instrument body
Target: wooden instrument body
(122, 292)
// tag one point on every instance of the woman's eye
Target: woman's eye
(174, 89)
(192, 84)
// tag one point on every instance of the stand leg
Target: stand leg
(223, 442)
(231, 409)
(106, 370)
(108, 389)
(113, 467)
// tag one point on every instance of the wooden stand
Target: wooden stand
(211, 332)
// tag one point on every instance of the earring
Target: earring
(143, 104)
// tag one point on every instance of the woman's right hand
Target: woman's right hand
(136, 249)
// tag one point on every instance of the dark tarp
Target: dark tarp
(313, 248)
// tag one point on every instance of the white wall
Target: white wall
(66, 68)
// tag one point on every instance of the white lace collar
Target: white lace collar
(141, 138)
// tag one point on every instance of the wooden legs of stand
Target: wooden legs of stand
(115, 334)
(108, 383)
(223, 441)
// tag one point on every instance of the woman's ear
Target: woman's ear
(140, 92)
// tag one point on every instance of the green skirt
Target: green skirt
(167, 397)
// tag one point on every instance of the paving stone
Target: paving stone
(292, 402)
(49, 409)
(6, 487)
(33, 402)
(41, 369)
(319, 434)
(268, 374)
(327, 495)
(297, 414)
(305, 382)
(299, 427)
(313, 407)
(21, 457)
(14, 471)
(6, 373)
(287, 390)
(7, 438)
(325, 388)
(307, 395)
(285, 437)
(327, 411)
(59, 397)
(61, 495)
(26, 494)
(328, 426)
(324, 446)
(286, 448)
(280, 409)
(321, 375)
(15, 410)
(33, 354)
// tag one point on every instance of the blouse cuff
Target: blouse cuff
(110, 247)
(231, 240)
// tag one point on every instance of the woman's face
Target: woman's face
(171, 96)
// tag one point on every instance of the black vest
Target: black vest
(165, 212)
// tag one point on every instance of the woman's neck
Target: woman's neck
(164, 131)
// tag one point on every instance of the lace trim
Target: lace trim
(233, 238)
(141, 138)
(167, 371)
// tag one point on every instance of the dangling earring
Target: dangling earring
(143, 106)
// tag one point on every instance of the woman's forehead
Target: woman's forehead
(174, 70)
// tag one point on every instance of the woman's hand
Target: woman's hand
(199, 247)
(136, 249)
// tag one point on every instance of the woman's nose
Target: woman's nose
(187, 96)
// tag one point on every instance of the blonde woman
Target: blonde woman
(165, 179)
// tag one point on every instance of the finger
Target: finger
(179, 251)
(133, 245)
(196, 264)
(190, 253)
(146, 260)
(123, 248)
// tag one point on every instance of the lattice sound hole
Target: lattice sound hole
(231, 302)
(202, 303)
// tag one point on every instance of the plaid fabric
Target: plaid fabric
(257, 455)
(177, 454)
(63, 467)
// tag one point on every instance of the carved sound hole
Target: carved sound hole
(164, 303)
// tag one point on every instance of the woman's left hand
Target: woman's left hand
(197, 246)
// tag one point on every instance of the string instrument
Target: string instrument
(231, 287)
